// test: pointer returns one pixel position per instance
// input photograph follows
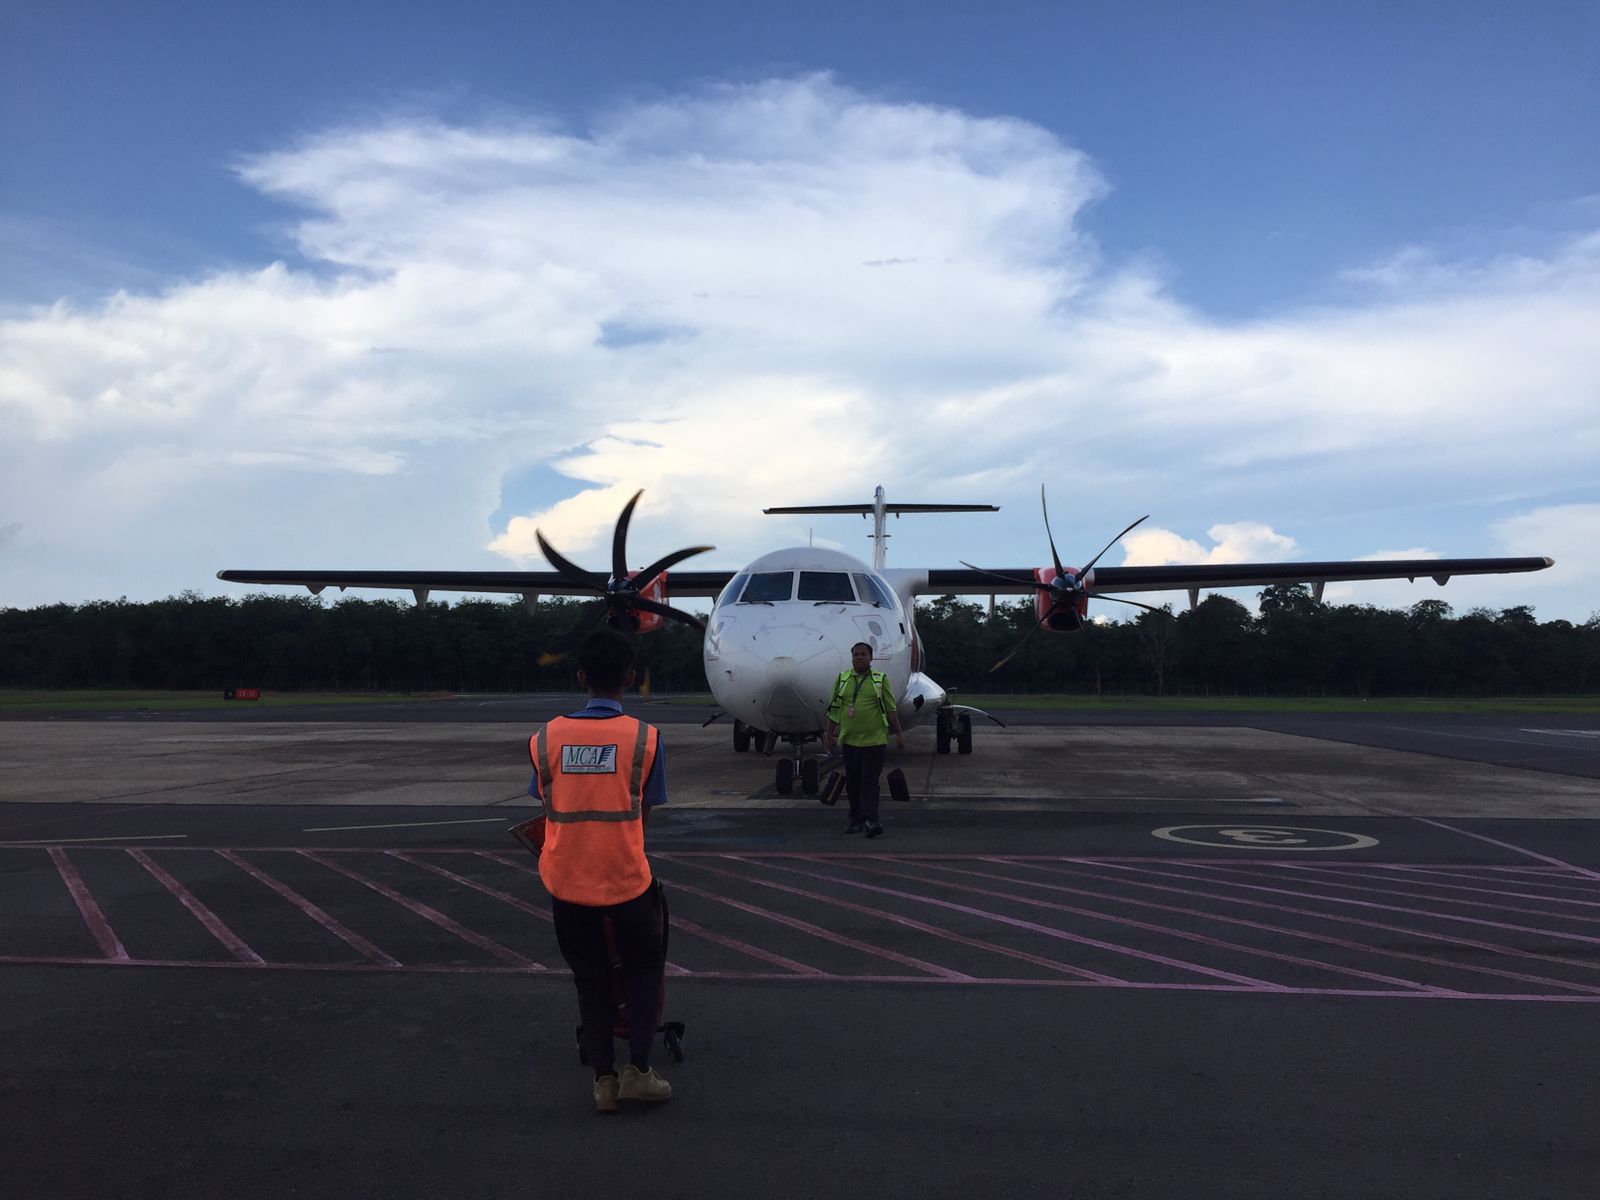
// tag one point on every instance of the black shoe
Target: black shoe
(874, 829)
(854, 827)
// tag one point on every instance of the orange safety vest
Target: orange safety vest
(591, 778)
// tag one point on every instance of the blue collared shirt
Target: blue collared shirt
(655, 784)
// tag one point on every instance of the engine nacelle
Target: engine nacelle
(1055, 616)
(657, 591)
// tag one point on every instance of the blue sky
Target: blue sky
(388, 285)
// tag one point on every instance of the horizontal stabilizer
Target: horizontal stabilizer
(868, 509)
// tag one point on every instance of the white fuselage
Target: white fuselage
(780, 634)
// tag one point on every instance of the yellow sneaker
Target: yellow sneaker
(643, 1085)
(605, 1094)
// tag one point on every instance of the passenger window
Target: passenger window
(826, 586)
(768, 587)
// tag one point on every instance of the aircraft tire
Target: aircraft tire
(741, 736)
(785, 776)
(941, 733)
(964, 734)
(808, 777)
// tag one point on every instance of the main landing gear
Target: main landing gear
(796, 766)
(952, 727)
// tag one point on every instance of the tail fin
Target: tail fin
(878, 510)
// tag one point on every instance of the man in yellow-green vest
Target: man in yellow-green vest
(860, 716)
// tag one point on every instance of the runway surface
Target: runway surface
(1083, 993)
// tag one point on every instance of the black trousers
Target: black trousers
(862, 766)
(636, 928)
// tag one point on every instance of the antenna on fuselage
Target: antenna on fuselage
(879, 510)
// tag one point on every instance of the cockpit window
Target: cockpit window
(873, 591)
(768, 587)
(735, 586)
(826, 586)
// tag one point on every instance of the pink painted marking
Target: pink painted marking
(431, 915)
(1545, 858)
(100, 928)
(772, 977)
(214, 924)
(1310, 868)
(679, 925)
(1449, 939)
(1401, 908)
(352, 939)
(1393, 874)
(1209, 916)
(1034, 927)
(1048, 964)
(826, 935)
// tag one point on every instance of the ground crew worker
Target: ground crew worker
(598, 774)
(860, 715)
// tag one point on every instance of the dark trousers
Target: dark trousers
(636, 927)
(862, 766)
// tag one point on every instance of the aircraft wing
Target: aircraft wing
(528, 584)
(1207, 577)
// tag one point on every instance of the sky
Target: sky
(359, 285)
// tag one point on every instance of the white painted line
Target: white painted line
(407, 825)
(132, 837)
(1580, 733)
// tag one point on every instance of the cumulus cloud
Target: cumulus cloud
(1242, 541)
(750, 295)
(1568, 533)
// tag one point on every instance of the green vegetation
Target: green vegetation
(1048, 702)
(14, 700)
(1286, 704)
(1217, 656)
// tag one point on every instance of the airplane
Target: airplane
(781, 627)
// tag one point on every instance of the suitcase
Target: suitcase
(833, 787)
(530, 834)
(896, 779)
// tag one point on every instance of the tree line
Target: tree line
(1294, 646)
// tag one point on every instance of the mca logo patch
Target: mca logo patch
(588, 760)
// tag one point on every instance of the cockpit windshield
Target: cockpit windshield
(768, 587)
(873, 592)
(823, 587)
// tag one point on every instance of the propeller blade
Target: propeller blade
(1036, 627)
(568, 568)
(1043, 587)
(619, 539)
(1056, 558)
(666, 610)
(1135, 603)
(644, 682)
(581, 626)
(1112, 543)
(643, 579)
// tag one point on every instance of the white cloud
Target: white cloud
(754, 295)
(1568, 533)
(1240, 541)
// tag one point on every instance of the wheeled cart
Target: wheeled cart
(672, 1032)
(530, 834)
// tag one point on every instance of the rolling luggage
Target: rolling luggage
(833, 787)
(896, 779)
(530, 834)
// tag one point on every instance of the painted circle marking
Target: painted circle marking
(1266, 837)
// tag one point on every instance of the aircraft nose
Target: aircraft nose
(800, 671)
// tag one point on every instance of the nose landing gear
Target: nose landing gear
(808, 770)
